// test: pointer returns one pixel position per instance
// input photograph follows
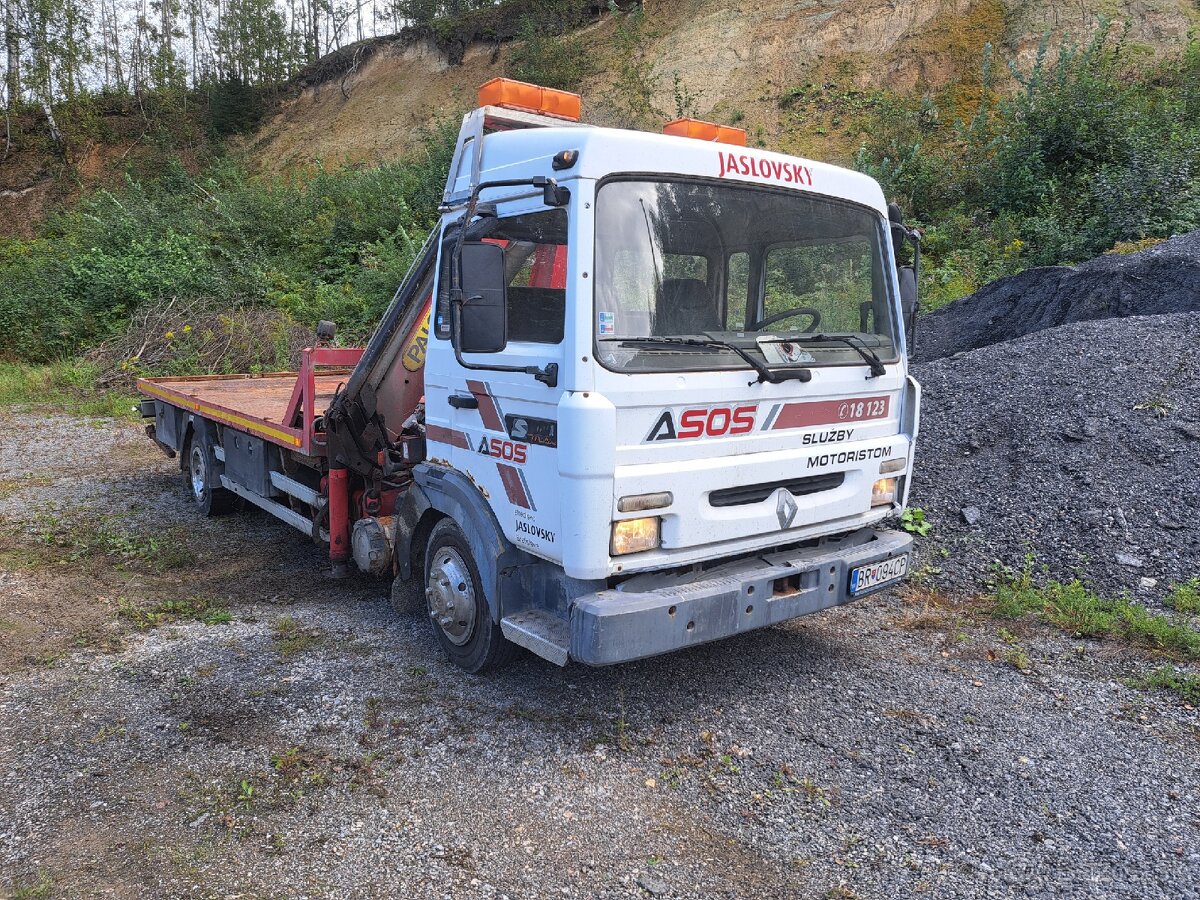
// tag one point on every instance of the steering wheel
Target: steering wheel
(788, 313)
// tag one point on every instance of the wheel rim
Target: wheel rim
(451, 596)
(198, 470)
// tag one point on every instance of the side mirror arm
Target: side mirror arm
(552, 195)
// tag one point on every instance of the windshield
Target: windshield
(778, 274)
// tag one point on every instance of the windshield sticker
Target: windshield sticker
(608, 323)
(764, 169)
(783, 353)
(826, 412)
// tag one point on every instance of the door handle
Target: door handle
(458, 401)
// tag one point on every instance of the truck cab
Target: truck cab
(638, 392)
(668, 375)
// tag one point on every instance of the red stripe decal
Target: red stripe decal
(440, 435)
(487, 405)
(512, 486)
(832, 412)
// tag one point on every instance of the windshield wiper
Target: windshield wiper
(869, 355)
(774, 376)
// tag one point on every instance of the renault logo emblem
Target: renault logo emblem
(786, 508)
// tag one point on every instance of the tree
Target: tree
(12, 47)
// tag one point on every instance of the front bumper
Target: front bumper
(654, 613)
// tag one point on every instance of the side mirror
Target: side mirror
(908, 295)
(483, 311)
(896, 225)
(326, 333)
(908, 276)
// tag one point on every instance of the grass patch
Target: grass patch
(1185, 597)
(1073, 608)
(291, 637)
(927, 609)
(913, 521)
(9, 486)
(1015, 654)
(1167, 678)
(67, 385)
(165, 612)
(106, 537)
(38, 889)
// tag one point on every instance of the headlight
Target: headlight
(635, 535)
(883, 492)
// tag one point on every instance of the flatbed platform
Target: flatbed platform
(268, 406)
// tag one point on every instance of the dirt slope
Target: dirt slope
(738, 58)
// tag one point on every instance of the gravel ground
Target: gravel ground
(1161, 280)
(317, 745)
(1077, 447)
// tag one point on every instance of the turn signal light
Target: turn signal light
(509, 94)
(706, 131)
(640, 502)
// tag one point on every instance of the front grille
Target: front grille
(756, 493)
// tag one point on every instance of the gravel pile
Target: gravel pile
(1163, 279)
(1077, 446)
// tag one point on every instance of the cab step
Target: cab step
(541, 632)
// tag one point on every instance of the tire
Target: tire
(200, 471)
(466, 632)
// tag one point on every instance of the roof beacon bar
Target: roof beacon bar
(706, 131)
(508, 94)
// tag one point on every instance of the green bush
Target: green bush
(330, 245)
(1092, 149)
(234, 107)
(549, 60)
(1078, 610)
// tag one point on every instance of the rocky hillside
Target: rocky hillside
(797, 75)
(791, 72)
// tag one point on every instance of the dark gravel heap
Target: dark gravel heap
(1162, 279)
(1078, 445)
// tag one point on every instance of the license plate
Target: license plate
(877, 574)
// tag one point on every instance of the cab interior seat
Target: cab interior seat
(686, 306)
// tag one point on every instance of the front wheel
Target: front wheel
(457, 605)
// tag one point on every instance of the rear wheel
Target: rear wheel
(457, 606)
(200, 471)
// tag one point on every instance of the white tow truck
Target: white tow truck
(638, 392)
